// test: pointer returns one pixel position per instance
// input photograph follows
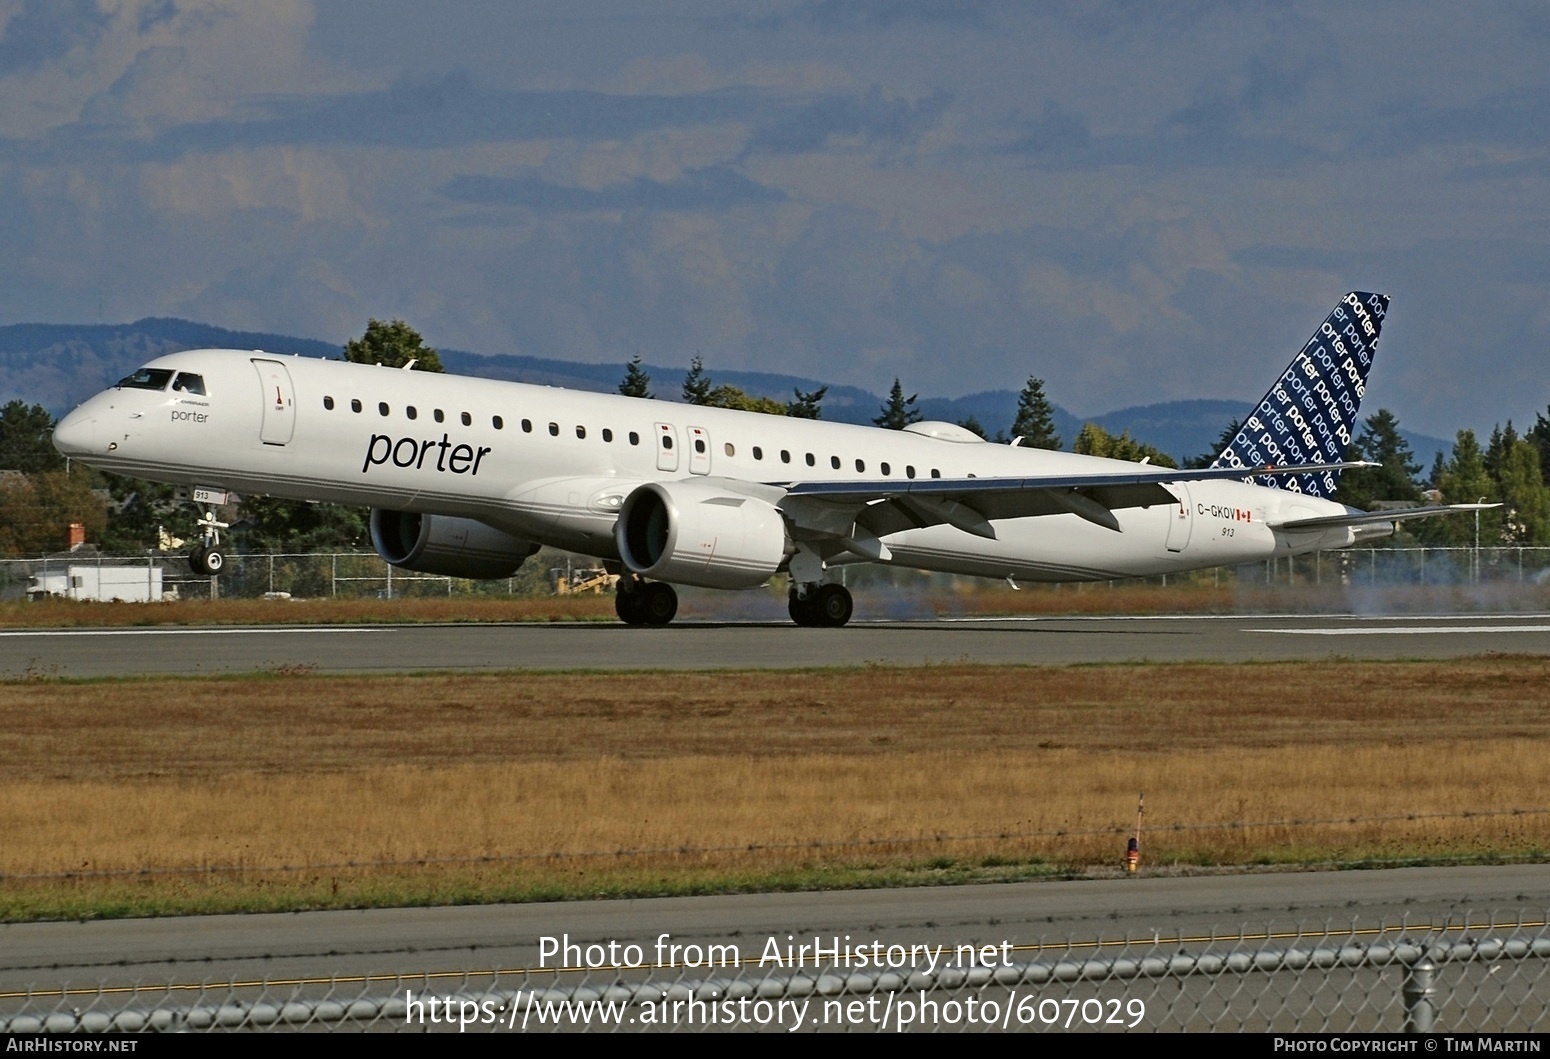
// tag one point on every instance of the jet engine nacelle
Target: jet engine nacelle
(692, 533)
(441, 544)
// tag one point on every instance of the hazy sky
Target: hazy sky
(1136, 201)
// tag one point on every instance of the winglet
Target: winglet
(1309, 415)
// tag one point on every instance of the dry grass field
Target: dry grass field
(298, 790)
(970, 596)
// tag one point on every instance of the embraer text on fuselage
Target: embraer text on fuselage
(412, 452)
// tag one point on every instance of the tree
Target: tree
(1380, 442)
(394, 344)
(972, 424)
(26, 433)
(275, 524)
(806, 404)
(733, 397)
(36, 511)
(1540, 436)
(899, 412)
(1526, 515)
(1206, 459)
(697, 385)
(1035, 422)
(1095, 441)
(636, 382)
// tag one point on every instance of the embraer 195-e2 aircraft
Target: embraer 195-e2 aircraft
(468, 477)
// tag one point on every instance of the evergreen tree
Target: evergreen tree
(900, 411)
(636, 382)
(1526, 515)
(1464, 481)
(1095, 441)
(26, 439)
(1035, 422)
(1540, 436)
(1380, 442)
(697, 385)
(806, 404)
(1206, 459)
(972, 425)
(394, 344)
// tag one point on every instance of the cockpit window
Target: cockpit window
(147, 379)
(188, 382)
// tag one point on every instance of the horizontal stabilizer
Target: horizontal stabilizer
(1367, 518)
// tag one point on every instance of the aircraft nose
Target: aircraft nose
(75, 434)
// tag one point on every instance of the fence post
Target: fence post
(1419, 989)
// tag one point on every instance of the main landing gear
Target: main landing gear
(639, 602)
(208, 559)
(822, 606)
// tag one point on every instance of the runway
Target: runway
(719, 645)
(418, 941)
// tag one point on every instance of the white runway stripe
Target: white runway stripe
(1433, 630)
(271, 631)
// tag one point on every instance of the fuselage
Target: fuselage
(554, 466)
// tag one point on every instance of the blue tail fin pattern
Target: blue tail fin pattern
(1309, 415)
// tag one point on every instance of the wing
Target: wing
(879, 508)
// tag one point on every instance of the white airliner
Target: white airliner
(468, 477)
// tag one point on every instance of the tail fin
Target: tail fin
(1309, 415)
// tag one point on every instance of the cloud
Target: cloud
(44, 31)
(710, 188)
(870, 117)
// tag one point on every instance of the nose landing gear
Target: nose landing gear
(208, 559)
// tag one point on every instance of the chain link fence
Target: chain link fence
(364, 574)
(1474, 977)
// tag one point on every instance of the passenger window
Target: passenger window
(581, 431)
(608, 435)
(699, 445)
(861, 466)
(498, 423)
(886, 471)
(758, 453)
(410, 411)
(935, 473)
(634, 438)
(667, 441)
(834, 461)
(554, 430)
(909, 470)
(468, 420)
(730, 451)
(355, 404)
(328, 403)
(785, 457)
(527, 426)
(811, 462)
(440, 416)
(382, 407)
(189, 383)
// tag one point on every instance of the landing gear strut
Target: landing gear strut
(823, 606)
(208, 558)
(640, 602)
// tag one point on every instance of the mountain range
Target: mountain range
(60, 365)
